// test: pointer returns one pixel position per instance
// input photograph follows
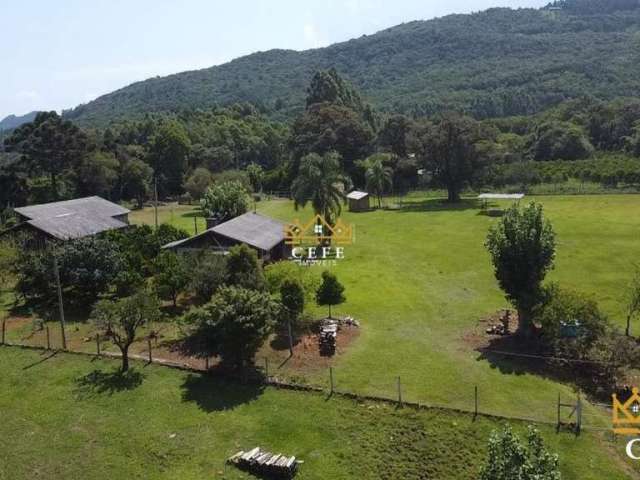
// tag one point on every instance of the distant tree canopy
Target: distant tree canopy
(50, 145)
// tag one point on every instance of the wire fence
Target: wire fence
(568, 413)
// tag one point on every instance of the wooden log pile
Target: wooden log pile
(327, 338)
(267, 464)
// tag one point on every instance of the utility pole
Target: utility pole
(155, 195)
(56, 272)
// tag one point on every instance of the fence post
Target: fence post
(331, 380)
(475, 402)
(558, 426)
(149, 346)
(266, 368)
(206, 363)
(4, 327)
(48, 338)
(399, 392)
(98, 344)
(579, 415)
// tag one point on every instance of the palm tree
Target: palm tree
(378, 177)
(320, 181)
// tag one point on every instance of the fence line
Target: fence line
(273, 381)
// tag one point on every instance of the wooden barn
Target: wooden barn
(260, 232)
(358, 201)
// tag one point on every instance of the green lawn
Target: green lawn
(419, 279)
(68, 417)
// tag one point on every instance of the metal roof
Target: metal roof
(76, 218)
(254, 229)
(501, 196)
(357, 195)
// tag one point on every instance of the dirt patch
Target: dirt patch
(306, 353)
(477, 338)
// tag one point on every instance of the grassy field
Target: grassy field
(419, 279)
(67, 417)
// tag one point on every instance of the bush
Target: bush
(225, 201)
(207, 274)
(277, 273)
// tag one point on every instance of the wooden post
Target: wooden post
(558, 427)
(399, 392)
(206, 363)
(98, 344)
(4, 329)
(149, 347)
(331, 383)
(48, 338)
(476, 402)
(195, 225)
(266, 368)
(56, 272)
(290, 338)
(155, 195)
(579, 415)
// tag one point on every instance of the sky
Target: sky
(56, 55)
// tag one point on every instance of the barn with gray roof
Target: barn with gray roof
(264, 234)
(72, 219)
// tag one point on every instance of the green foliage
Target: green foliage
(326, 127)
(208, 273)
(509, 458)
(394, 134)
(256, 176)
(171, 276)
(97, 174)
(234, 324)
(292, 298)
(571, 322)
(8, 258)
(168, 151)
(244, 269)
(450, 151)
(320, 182)
(379, 177)
(499, 62)
(119, 320)
(277, 273)
(198, 182)
(50, 145)
(135, 181)
(633, 298)
(225, 201)
(522, 247)
(330, 292)
(560, 140)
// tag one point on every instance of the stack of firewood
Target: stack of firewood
(327, 338)
(261, 462)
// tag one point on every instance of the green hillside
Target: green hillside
(495, 63)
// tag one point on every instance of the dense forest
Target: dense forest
(500, 62)
(182, 155)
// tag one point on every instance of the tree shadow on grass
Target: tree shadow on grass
(99, 382)
(213, 394)
(437, 205)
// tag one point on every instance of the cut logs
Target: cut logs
(263, 463)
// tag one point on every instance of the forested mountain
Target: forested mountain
(495, 63)
(12, 121)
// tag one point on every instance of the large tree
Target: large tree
(292, 299)
(168, 152)
(330, 292)
(448, 149)
(171, 276)
(225, 200)
(244, 268)
(522, 247)
(322, 183)
(119, 320)
(51, 146)
(233, 325)
(326, 127)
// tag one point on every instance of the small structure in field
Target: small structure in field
(358, 201)
(264, 234)
(72, 219)
(263, 463)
